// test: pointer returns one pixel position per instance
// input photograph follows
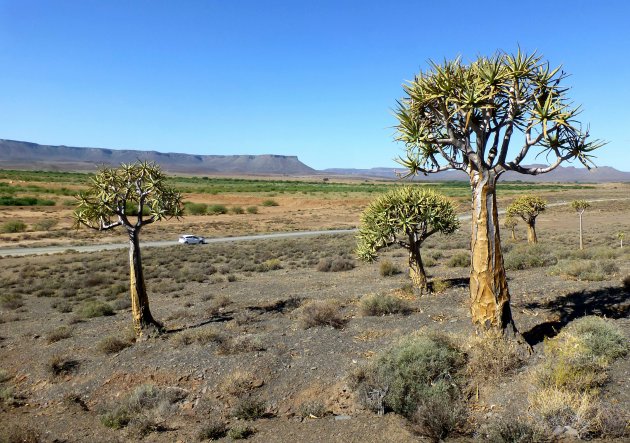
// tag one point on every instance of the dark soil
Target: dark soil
(232, 314)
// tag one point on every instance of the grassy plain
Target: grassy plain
(266, 342)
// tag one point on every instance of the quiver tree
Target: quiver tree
(528, 207)
(131, 196)
(465, 117)
(405, 216)
(580, 206)
(511, 223)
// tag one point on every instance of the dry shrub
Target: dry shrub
(383, 304)
(239, 383)
(336, 264)
(242, 343)
(58, 366)
(387, 268)
(509, 430)
(249, 409)
(241, 432)
(492, 355)
(559, 407)
(417, 372)
(578, 358)
(438, 285)
(214, 430)
(143, 409)
(59, 333)
(200, 336)
(18, 434)
(112, 345)
(313, 409)
(438, 416)
(321, 313)
(459, 260)
(11, 301)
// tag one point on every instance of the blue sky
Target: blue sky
(316, 79)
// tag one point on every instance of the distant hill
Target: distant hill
(564, 174)
(24, 155)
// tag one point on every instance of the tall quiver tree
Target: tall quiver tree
(580, 206)
(528, 207)
(405, 216)
(465, 116)
(131, 196)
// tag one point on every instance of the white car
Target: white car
(188, 239)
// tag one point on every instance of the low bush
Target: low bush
(95, 308)
(12, 227)
(239, 383)
(510, 430)
(529, 256)
(249, 409)
(270, 203)
(252, 210)
(237, 210)
(11, 301)
(214, 430)
(143, 406)
(336, 264)
(18, 434)
(313, 409)
(586, 270)
(217, 209)
(387, 268)
(270, 265)
(383, 304)
(439, 415)
(112, 345)
(493, 356)
(410, 374)
(196, 208)
(58, 366)
(46, 224)
(459, 260)
(321, 313)
(240, 432)
(59, 333)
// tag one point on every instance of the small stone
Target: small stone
(342, 417)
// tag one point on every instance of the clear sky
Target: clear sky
(316, 79)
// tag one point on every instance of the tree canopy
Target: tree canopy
(464, 116)
(135, 190)
(528, 207)
(404, 213)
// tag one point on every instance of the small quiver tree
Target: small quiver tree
(405, 216)
(511, 223)
(131, 196)
(528, 207)
(465, 116)
(580, 206)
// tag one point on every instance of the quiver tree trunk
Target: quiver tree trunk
(143, 321)
(531, 232)
(489, 295)
(416, 268)
(581, 242)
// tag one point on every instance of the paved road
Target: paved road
(155, 244)
(104, 247)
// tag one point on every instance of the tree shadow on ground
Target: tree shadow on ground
(214, 319)
(611, 302)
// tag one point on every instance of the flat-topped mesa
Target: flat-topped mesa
(32, 156)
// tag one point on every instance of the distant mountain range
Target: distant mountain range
(560, 174)
(24, 155)
(31, 156)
